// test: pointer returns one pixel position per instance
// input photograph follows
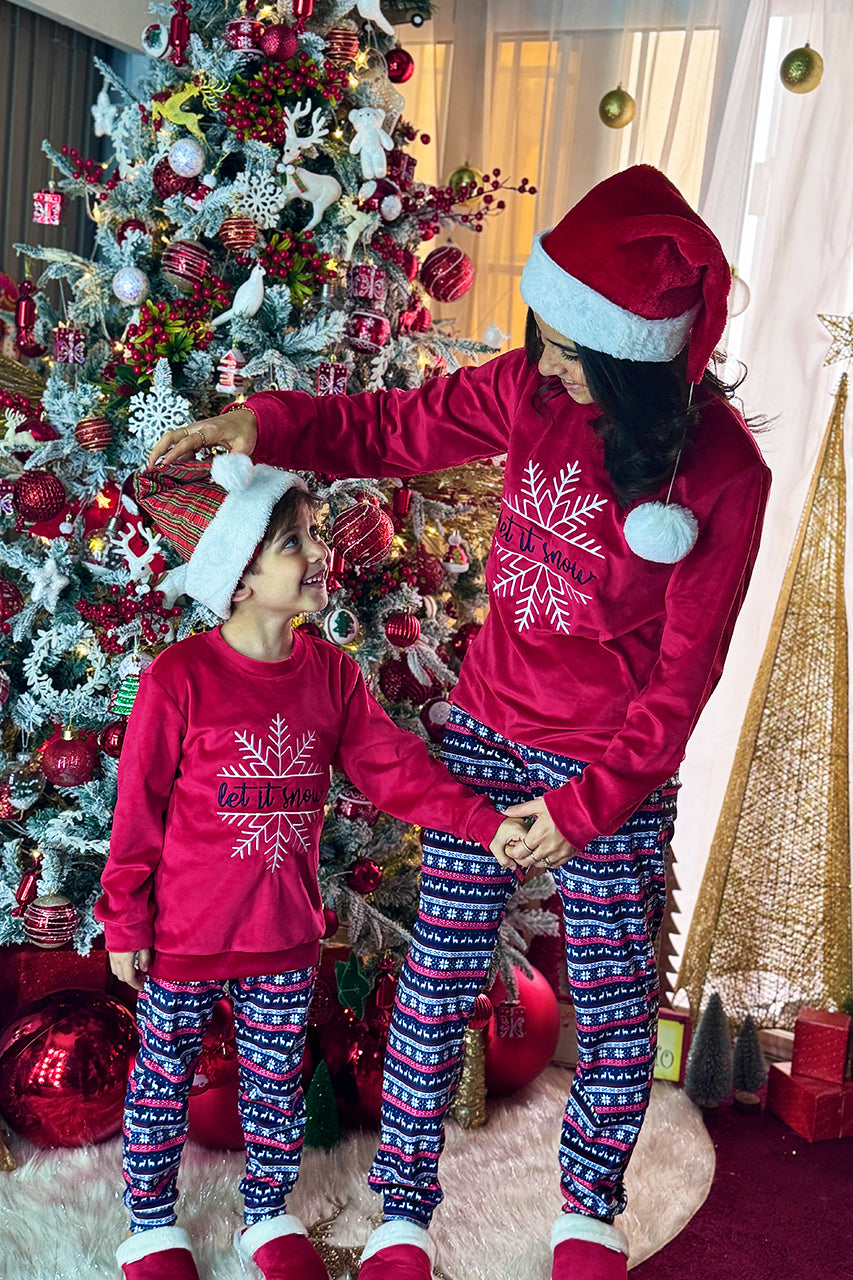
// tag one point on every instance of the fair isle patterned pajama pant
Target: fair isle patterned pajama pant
(612, 895)
(270, 1015)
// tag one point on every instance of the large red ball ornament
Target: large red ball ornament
(63, 1068)
(521, 1037)
(168, 183)
(38, 495)
(447, 273)
(11, 600)
(111, 738)
(429, 572)
(398, 682)
(185, 264)
(400, 65)
(93, 433)
(67, 760)
(402, 629)
(364, 876)
(50, 921)
(238, 233)
(363, 534)
(463, 637)
(368, 330)
(278, 42)
(125, 228)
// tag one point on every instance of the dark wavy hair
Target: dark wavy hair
(645, 420)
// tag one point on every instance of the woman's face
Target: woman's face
(561, 360)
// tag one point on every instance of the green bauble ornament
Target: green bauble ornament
(617, 108)
(801, 69)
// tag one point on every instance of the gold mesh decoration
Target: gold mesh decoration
(771, 930)
(468, 1107)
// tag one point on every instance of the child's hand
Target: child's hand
(131, 967)
(507, 846)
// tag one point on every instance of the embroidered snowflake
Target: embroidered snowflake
(259, 197)
(274, 771)
(158, 410)
(534, 565)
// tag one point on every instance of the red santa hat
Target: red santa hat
(632, 271)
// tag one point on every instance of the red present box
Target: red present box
(814, 1109)
(821, 1045)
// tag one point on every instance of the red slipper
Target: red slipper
(398, 1250)
(163, 1253)
(280, 1249)
(588, 1249)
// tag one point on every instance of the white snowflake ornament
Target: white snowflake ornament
(47, 582)
(104, 114)
(259, 197)
(158, 410)
(662, 532)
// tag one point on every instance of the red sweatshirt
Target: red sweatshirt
(588, 650)
(223, 776)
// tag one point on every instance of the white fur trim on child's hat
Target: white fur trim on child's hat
(575, 1226)
(227, 544)
(157, 1240)
(399, 1231)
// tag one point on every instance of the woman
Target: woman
(629, 524)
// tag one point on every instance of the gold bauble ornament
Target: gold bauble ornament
(465, 176)
(617, 108)
(801, 69)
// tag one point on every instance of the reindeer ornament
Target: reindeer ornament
(319, 189)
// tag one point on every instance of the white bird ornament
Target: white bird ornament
(247, 300)
(371, 12)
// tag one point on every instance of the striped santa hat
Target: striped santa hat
(215, 515)
(633, 272)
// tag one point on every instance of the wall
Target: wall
(116, 22)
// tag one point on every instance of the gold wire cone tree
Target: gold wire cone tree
(771, 929)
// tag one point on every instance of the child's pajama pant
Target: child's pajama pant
(613, 896)
(270, 1016)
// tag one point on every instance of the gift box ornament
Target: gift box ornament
(822, 1045)
(69, 345)
(331, 379)
(367, 283)
(47, 207)
(815, 1109)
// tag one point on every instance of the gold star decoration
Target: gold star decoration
(840, 329)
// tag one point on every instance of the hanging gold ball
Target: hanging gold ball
(617, 108)
(801, 70)
(465, 176)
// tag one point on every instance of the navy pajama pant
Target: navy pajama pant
(270, 1015)
(613, 896)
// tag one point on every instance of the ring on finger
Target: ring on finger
(186, 433)
(527, 846)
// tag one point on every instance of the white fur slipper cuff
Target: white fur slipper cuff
(284, 1224)
(574, 1226)
(399, 1231)
(157, 1240)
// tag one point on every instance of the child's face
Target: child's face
(289, 576)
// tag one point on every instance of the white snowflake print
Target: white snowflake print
(538, 531)
(158, 410)
(260, 197)
(274, 795)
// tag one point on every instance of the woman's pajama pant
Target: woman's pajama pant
(270, 1015)
(613, 896)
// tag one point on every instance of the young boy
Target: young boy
(212, 872)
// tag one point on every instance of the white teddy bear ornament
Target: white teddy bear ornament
(370, 141)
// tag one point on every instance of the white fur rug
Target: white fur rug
(61, 1215)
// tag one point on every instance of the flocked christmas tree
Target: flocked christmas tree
(259, 225)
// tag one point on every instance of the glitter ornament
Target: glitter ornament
(368, 330)
(25, 318)
(187, 158)
(242, 35)
(398, 682)
(447, 273)
(354, 806)
(402, 629)
(801, 69)
(121, 702)
(238, 233)
(179, 33)
(47, 207)
(111, 737)
(616, 109)
(69, 345)
(363, 534)
(364, 876)
(278, 42)
(400, 168)
(400, 65)
(93, 433)
(50, 921)
(230, 382)
(434, 715)
(11, 600)
(38, 495)
(168, 183)
(131, 286)
(341, 45)
(331, 378)
(68, 760)
(429, 572)
(23, 780)
(341, 626)
(125, 228)
(185, 264)
(367, 283)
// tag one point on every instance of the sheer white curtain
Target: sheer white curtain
(515, 84)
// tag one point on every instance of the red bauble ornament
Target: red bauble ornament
(429, 572)
(38, 495)
(243, 34)
(278, 42)
(351, 804)
(434, 715)
(67, 760)
(125, 228)
(402, 629)
(364, 876)
(168, 183)
(481, 1013)
(398, 682)
(50, 921)
(341, 45)
(63, 1068)
(463, 637)
(447, 273)
(94, 433)
(363, 534)
(368, 330)
(185, 264)
(213, 1115)
(331, 923)
(111, 738)
(238, 233)
(400, 65)
(522, 1035)
(11, 600)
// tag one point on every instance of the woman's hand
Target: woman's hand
(236, 431)
(543, 845)
(131, 966)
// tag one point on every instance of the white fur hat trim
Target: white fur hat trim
(588, 318)
(661, 531)
(574, 1226)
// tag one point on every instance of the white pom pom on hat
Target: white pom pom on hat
(662, 532)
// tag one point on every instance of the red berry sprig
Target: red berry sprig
(107, 617)
(255, 107)
(431, 205)
(292, 256)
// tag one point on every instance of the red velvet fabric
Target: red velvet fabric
(583, 1260)
(290, 1257)
(168, 1264)
(398, 1262)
